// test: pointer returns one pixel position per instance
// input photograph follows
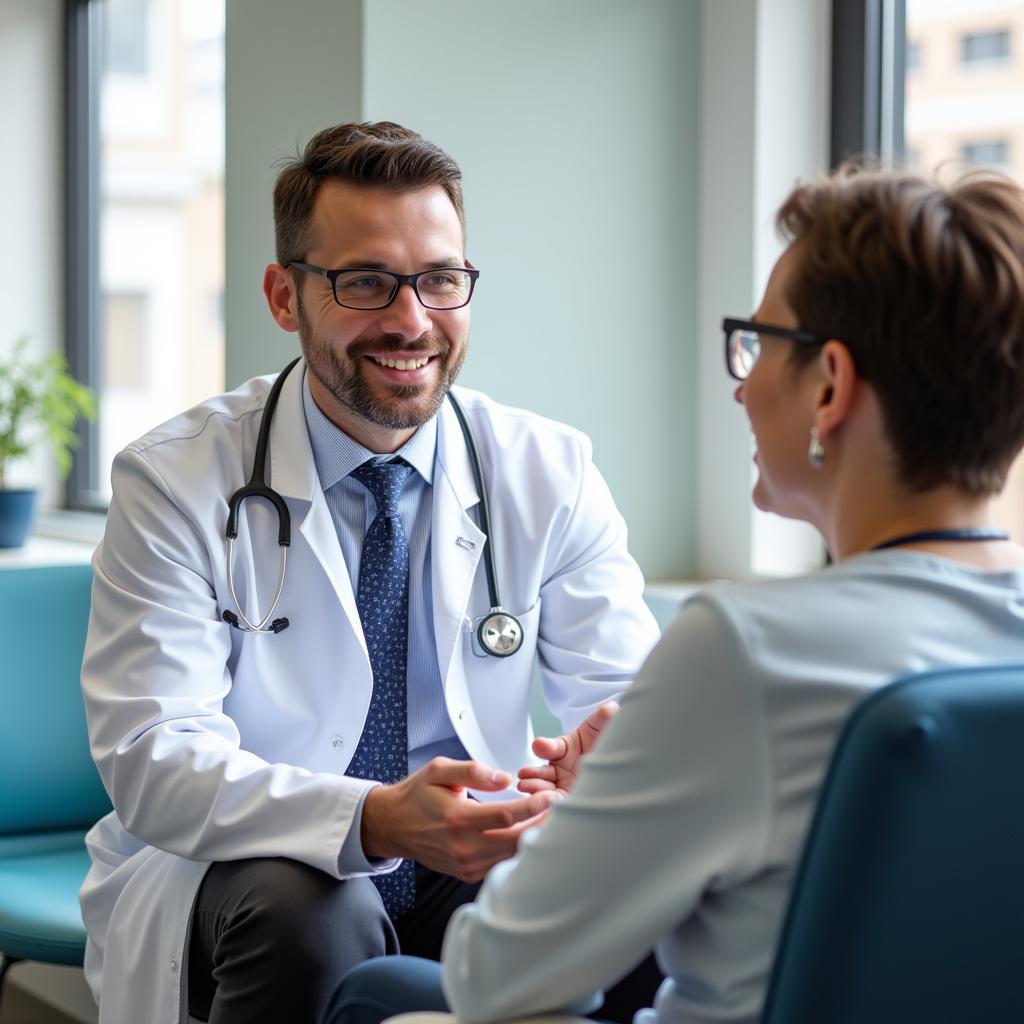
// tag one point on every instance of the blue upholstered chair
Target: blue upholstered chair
(909, 901)
(50, 792)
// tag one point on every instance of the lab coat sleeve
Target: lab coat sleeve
(155, 676)
(595, 628)
(673, 803)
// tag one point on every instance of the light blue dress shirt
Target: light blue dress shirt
(352, 509)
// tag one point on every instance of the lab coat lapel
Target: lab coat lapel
(293, 475)
(456, 545)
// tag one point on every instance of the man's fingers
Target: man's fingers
(445, 771)
(480, 817)
(538, 771)
(510, 835)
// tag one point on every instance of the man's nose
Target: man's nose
(738, 393)
(406, 316)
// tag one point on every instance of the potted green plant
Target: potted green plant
(37, 397)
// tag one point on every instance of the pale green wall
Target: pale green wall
(291, 69)
(575, 123)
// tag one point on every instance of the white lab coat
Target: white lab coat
(216, 745)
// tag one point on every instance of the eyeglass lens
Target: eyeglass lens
(437, 289)
(744, 349)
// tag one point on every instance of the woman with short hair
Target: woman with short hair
(883, 378)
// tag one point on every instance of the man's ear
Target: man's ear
(279, 288)
(837, 387)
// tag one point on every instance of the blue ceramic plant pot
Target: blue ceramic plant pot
(16, 512)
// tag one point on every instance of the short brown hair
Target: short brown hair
(924, 283)
(375, 154)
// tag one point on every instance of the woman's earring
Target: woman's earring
(816, 450)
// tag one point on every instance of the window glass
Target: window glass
(125, 42)
(161, 219)
(913, 57)
(124, 327)
(984, 47)
(964, 106)
(992, 153)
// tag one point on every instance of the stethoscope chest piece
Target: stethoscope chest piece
(499, 633)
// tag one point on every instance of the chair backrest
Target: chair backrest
(909, 901)
(47, 777)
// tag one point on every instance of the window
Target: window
(124, 332)
(934, 119)
(990, 153)
(125, 44)
(913, 57)
(985, 47)
(145, 217)
(869, 58)
(943, 118)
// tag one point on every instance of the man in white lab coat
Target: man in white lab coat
(293, 801)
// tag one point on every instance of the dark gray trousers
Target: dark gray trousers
(272, 939)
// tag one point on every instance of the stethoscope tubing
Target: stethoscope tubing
(484, 509)
(256, 487)
(246, 626)
(499, 632)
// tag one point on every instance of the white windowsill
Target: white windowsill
(59, 538)
(62, 524)
(45, 551)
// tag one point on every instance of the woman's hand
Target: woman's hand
(564, 754)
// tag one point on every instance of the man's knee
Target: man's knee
(297, 900)
(301, 916)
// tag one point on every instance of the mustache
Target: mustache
(386, 344)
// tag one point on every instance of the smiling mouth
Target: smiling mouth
(401, 364)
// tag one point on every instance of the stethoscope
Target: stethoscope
(498, 633)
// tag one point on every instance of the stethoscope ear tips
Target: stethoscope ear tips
(500, 634)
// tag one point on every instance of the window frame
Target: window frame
(868, 79)
(83, 65)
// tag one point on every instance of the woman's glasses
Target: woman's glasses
(743, 343)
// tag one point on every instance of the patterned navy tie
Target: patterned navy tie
(383, 602)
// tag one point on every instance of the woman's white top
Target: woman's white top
(687, 821)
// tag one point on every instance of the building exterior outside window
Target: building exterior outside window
(991, 153)
(161, 215)
(965, 108)
(985, 47)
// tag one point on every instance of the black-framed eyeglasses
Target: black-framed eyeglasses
(368, 288)
(743, 343)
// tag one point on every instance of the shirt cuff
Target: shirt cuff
(351, 859)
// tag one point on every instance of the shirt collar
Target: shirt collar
(336, 454)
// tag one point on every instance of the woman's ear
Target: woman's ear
(836, 389)
(279, 288)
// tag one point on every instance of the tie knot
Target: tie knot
(384, 480)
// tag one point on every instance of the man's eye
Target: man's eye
(364, 282)
(439, 281)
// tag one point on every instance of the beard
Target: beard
(392, 406)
